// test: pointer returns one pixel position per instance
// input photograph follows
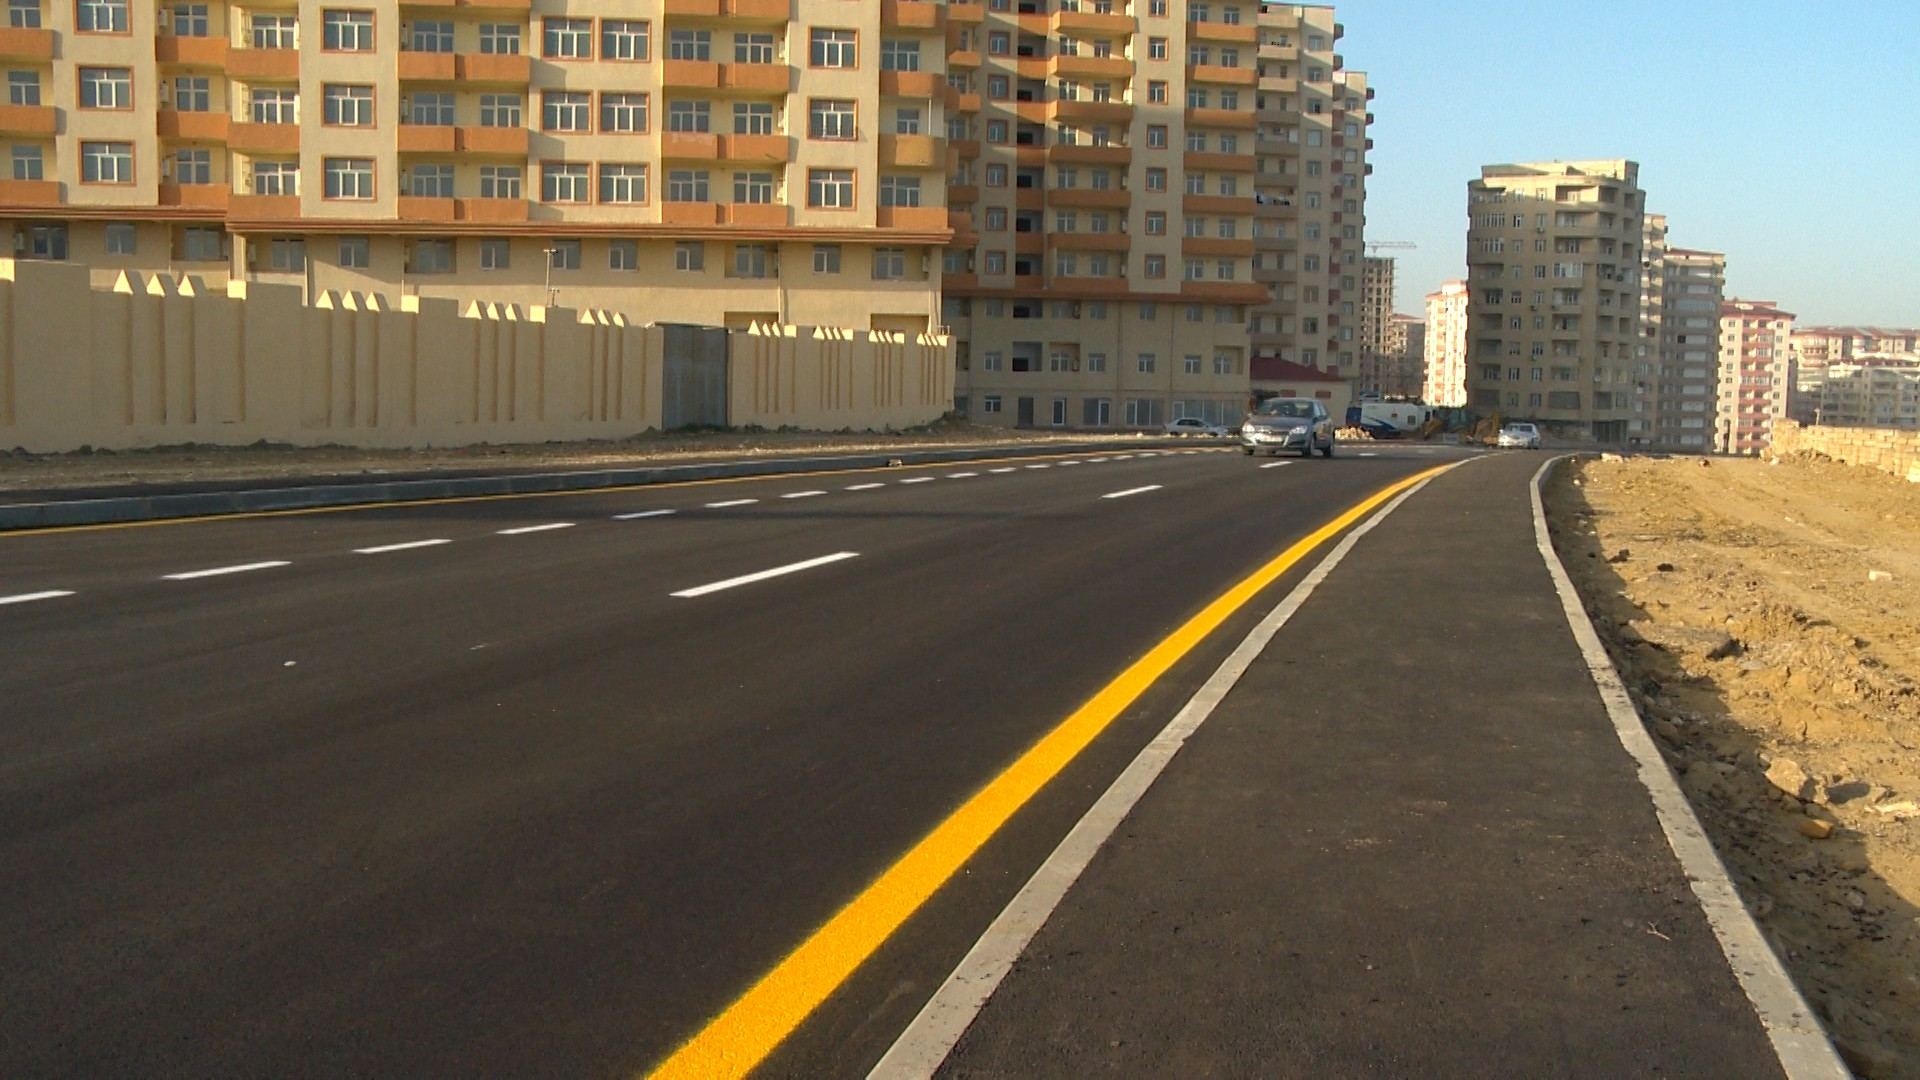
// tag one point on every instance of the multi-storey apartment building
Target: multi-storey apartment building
(1553, 261)
(1446, 346)
(1405, 373)
(1870, 395)
(1816, 347)
(1678, 370)
(1376, 309)
(715, 161)
(1756, 374)
(1117, 168)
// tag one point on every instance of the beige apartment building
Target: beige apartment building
(1553, 272)
(1885, 394)
(1120, 169)
(1678, 370)
(1756, 374)
(1445, 347)
(1404, 374)
(705, 161)
(1816, 347)
(1376, 309)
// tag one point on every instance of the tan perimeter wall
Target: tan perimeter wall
(1890, 451)
(153, 361)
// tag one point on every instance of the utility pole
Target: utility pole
(550, 253)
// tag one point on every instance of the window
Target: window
(349, 178)
(106, 88)
(499, 110)
(990, 403)
(906, 121)
(690, 116)
(563, 254)
(1156, 266)
(623, 254)
(833, 49)
(1157, 48)
(1156, 179)
(429, 108)
(496, 253)
(830, 189)
(566, 39)
(122, 238)
(276, 178)
(690, 255)
(1157, 92)
(690, 45)
(23, 14)
(267, 106)
(1190, 365)
(889, 263)
(1157, 136)
(1146, 363)
(348, 106)
(1156, 223)
(999, 43)
(429, 181)
(193, 93)
(830, 118)
(624, 114)
(430, 36)
(499, 39)
(192, 166)
(625, 39)
(566, 110)
(753, 187)
(621, 183)
(826, 258)
(899, 55)
(355, 252)
(23, 88)
(430, 257)
(100, 16)
(899, 191)
(753, 118)
(564, 182)
(287, 254)
(687, 185)
(201, 244)
(274, 32)
(500, 181)
(755, 49)
(754, 261)
(346, 31)
(106, 162)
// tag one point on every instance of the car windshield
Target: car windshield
(1286, 407)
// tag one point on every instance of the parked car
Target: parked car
(1519, 437)
(1287, 424)
(1190, 425)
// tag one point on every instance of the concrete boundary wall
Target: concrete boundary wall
(1885, 449)
(154, 361)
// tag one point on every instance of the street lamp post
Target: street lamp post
(550, 253)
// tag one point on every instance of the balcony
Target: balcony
(1287, 53)
(1089, 67)
(194, 126)
(19, 43)
(196, 196)
(490, 211)
(271, 64)
(1081, 241)
(1216, 246)
(27, 120)
(1089, 155)
(971, 12)
(426, 139)
(263, 138)
(691, 213)
(276, 208)
(495, 68)
(693, 145)
(964, 149)
(756, 78)
(1089, 198)
(757, 148)
(1224, 76)
(423, 208)
(469, 5)
(1206, 162)
(1243, 119)
(1217, 204)
(692, 9)
(963, 194)
(1095, 111)
(503, 141)
(1093, 24)
(918, 84)
(1029, 243)
(961, 59)
(191, 52)
(690, 75)
(427, 67)
(757, 215)
(962, 102)
(30, 192)
(1225, 33)
(920, 15)
(959, 282)
(763, 11)
(1224, 292)
(915, 218)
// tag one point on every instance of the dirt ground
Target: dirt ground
(21, 471)
(1767, 617)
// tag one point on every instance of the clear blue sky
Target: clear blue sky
(1784, 134)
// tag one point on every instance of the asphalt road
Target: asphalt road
(537, 785)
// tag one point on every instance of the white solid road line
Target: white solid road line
(1798, 1040)
(864, 487)
(924, 1045)
(961, 475)
(524, 529)
(1276, 464)
(802, 494)
(643, 514)
(730, 502)
(408, 546)
(24, 598)
(748, 579)
(219, 570)
(919, 479)
(1131, 491)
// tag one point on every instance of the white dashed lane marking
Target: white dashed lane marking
(961, 475)
(28, 598)
(221, 570)
(408, 546)
(643, 514)
(722, 505)
(548, 527)
(865, 487)
(1131, 491)
(802, 494)
(1005, 470)
(1275, 464)
(919, 480)
(748, 579)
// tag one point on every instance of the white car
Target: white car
(1519, 437)
(1190, 425)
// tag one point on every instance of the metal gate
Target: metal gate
(695, 376)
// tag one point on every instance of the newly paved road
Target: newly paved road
(505, 804)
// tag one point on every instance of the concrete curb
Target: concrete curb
(104, 511)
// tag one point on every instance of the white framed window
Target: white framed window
(566, 110)
(566, 39)
(565, 182)
(623, 183)
(826, 258)
(23, 88)
(690, 256)
(500, 110)
(286, 254)
(430, 256)
(276, 178)
(349, 178)
(273, 31)
(687, 185)
(753, 118)
(755, 49)
(346, 31)
(193, 93)
(430, 36)
(690, 45)
(356, 252)
(430, 181)
(100, 16)
(106, 88)
(830, 189)
(348, 106)
(192, 165)
(899, 191)
(899, 54)
(689, 116)
(122, 238)
(754, 261)
(623, 113)
(563, 254)
(23, 14)
(496, 253)
(889, 263)
(830, 118)
(431, 108)
(500, 39)
(501, 181)
(753, 187)
(623, 254)
(268, 105)
(625, 39)
(106, 162)
(833, 48)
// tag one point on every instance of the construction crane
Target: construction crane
(1398, 245)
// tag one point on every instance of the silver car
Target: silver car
(1287, 424)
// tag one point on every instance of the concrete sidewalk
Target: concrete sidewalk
(1433, 857)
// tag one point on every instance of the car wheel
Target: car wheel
(1327, 451)
(1247, 450)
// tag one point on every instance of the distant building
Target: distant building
(1553, 272)
(1676, 378)
(1756, 374)
(1445, 346)
(1870, 395)
(1376, 312)
(1273, 377)
(1406, 371)
(1815, 347)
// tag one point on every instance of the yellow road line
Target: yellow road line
(204, 519)
(740, 1038)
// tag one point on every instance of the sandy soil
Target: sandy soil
(1767, 617)
(20, 471)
